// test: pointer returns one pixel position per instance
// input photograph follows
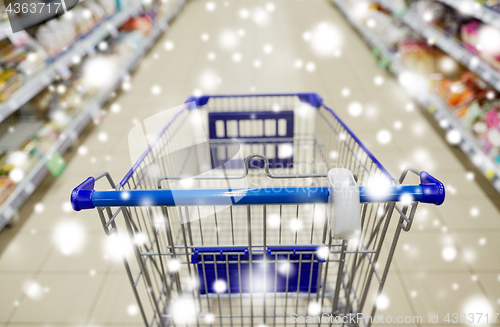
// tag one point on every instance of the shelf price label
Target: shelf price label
(113, 31)
(489, 174)
(63, 71)
(55, 164)
(375, 52)
(384, 62)
(19, 38)
(24, 14)
(399, 13)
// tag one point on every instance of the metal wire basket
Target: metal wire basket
(281, 213)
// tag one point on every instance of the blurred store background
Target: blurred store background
(418, 81)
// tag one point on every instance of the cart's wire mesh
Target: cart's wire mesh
(164, 239)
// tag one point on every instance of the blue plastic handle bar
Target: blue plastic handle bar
(308, 97)
(430, 190)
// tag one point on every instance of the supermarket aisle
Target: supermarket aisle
(443, 263)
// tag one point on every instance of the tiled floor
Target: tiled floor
(40, 285)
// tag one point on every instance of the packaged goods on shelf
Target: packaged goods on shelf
(420, 57)
(25, 58)
(109, 6)
(469, 33)
(491, 4)
(475, 37)
(18, 146)
(430, 11)
(443, 17)
(452, 21)
(390, 32)
(459, 94)
(3, 13)
(6, 188)
(124, 4)
(10, 82)
(3, 16)
(16, 63)
(140, 23)
(98, 13)
(56, 35)
(54, 108)
(471, 102)
(484, 124)
(47, 43)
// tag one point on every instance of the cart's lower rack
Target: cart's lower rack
(28, 185)
(432, 103)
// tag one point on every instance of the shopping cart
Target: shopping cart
(280, 213)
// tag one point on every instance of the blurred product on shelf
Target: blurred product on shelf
(469, 34)
(391, 30)
(478, 38)
(6, 188)
(474, 106)
(43, 44)
(460, 93)
(492, 4)
(3, 13)
(57, 34)
(10, 82)
(17, 62)
(430, 11)
(420, 57)
(143, 24)
(26, 136)
(472, 103)
(475, 38)
(123, 4)
(445, 18)
(59, 86)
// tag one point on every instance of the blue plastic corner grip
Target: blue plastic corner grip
(312, 98)
(81, 196)
(200, 101)
(433, 189)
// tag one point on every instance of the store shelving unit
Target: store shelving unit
(449, 45)
(476, 10)
(92, 108)
(42, 79)
(436, 107)
(4, 29)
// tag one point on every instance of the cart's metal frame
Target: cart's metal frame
(351, 273)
